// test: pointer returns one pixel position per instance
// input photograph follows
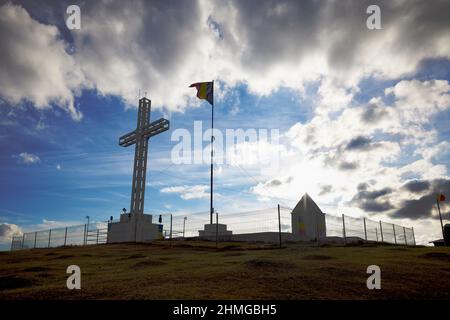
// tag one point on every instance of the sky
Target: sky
(361, 116)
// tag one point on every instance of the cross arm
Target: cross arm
(150, 130)
(156, 127)
(128, 139)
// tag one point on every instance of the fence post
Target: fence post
(279, 224)
(381, 231)
(84, 238)
(65, 237)
(343, 229)
(404, 234)
(395, 237)
(365, 230)
(97, 235)
(23, 240)
(49, 237)
(414, 237)
(35, 236)
(217, 229)
(170, 235)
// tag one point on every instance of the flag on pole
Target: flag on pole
(204, 91)
(440, 197)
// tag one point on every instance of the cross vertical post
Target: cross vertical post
(140, 159)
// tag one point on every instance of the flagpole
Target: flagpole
(440, 217)
(212, 156)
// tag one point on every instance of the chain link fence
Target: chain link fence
(274, 223)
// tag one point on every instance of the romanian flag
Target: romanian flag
(204, 90)
(440, 197)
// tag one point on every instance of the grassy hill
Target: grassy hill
(197, 270)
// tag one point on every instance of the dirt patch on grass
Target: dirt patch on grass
(317, 257)
(44, 275)
(50, 254)
(148, 263)
(135, 256)
(66, 256)
(36, 269)
(268, 264)
(14, 282)
(439, 256)
(336, 272)
(233, 254)
(230, 248)
(167, 258)
(358, 243)
(183, 245)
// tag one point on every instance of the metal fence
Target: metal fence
(342, 226)
(188, 225)
(94, 233)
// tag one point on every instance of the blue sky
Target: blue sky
(353, 119)
(87, 153)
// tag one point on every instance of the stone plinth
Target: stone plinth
(210, 231)
(133, 228)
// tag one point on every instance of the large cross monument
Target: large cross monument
(140, 136)
(137, 226)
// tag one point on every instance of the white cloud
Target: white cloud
(377, 144)
(161, 47)
(189, 192)
(157, 47)
(27, 158)
(7, 230)
(34, 63)
(52, 224)
(416, 101)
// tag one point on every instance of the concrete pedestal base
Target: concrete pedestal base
(211, 230)
(133, 228)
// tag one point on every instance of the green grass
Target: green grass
(197, 270)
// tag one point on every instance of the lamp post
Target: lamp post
(184, 225)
